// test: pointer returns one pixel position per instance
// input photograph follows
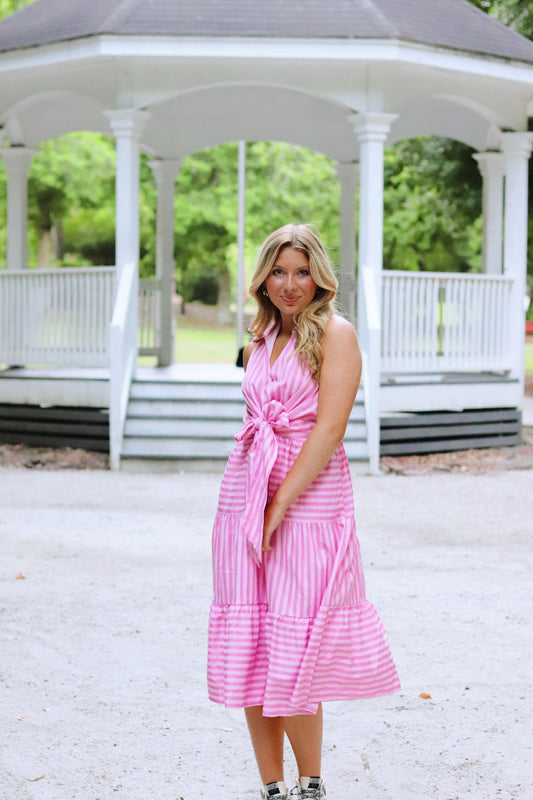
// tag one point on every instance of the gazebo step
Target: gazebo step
(200, 409)
(177, 390)
(199, 419)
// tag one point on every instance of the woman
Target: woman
(290, 625)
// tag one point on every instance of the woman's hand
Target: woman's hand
(274, 514)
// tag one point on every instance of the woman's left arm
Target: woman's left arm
(340, 374)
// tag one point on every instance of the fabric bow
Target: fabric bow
(260, 431)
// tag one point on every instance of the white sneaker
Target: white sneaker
(275, 791)
(311, 789)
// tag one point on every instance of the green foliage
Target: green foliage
(8, 7)
(285, 183)
(72, 180)
(431, 206)
(517, 14)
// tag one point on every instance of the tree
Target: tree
(516, 14)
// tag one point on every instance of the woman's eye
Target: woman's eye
(304, 272)
(277, 271)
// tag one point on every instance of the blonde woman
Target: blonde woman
(290, 625)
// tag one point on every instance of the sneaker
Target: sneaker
(311, 789)
(275, 791)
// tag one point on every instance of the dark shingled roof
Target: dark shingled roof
(454, 24)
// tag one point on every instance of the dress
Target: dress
(292, 627)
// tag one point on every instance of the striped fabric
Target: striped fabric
(292, 627)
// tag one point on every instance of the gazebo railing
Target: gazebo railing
(56, 316)
(442, 322)
(123, 356)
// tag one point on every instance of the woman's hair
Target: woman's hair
(311, 322)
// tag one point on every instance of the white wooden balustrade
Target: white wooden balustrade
(58, 317)
(123, 356)
(442, 322)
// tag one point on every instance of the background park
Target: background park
(432, 212)
(105, 576)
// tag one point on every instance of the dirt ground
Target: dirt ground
(105, 585)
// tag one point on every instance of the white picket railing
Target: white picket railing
(123, 357)
(442, 322)
(58, 316)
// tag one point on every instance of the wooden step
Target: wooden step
(199, 409)
(198, 420)
(168, 390)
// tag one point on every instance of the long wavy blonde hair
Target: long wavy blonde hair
(311, 322)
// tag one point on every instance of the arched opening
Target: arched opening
(432, 206)
(285, 183)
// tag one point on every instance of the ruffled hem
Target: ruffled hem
(289, 664)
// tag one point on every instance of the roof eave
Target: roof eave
(103, 46)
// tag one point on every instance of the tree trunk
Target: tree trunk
(224, 315)
(46, 248)
(58, 240)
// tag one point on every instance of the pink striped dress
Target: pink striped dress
(291, 627)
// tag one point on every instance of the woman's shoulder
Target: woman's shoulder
(339, 331)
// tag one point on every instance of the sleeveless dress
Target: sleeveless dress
(291, 627)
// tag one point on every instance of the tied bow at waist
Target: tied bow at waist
(260, 431)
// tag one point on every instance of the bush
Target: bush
(203, 286)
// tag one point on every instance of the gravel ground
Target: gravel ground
(104, 596)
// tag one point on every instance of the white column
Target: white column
(371, 130)
(241, 236)
(491, 166)
(516, 148)
(17, 162)
(165, 171)
(126, 127)
(348, 174)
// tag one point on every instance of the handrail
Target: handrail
(122, 357)
(371, 341)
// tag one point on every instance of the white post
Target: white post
(348, 174)
(126, 126)
(17, 162)
(491, 166)
(371, 130)
(165, 171)
(241, 274)
(516, 149)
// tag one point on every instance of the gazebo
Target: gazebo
(171, 78)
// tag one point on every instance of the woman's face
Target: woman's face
(289, 285)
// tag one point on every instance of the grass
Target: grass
(205, 346)
(529, 357)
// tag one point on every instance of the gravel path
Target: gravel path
(104, 595)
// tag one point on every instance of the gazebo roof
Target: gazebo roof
(453, 24)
